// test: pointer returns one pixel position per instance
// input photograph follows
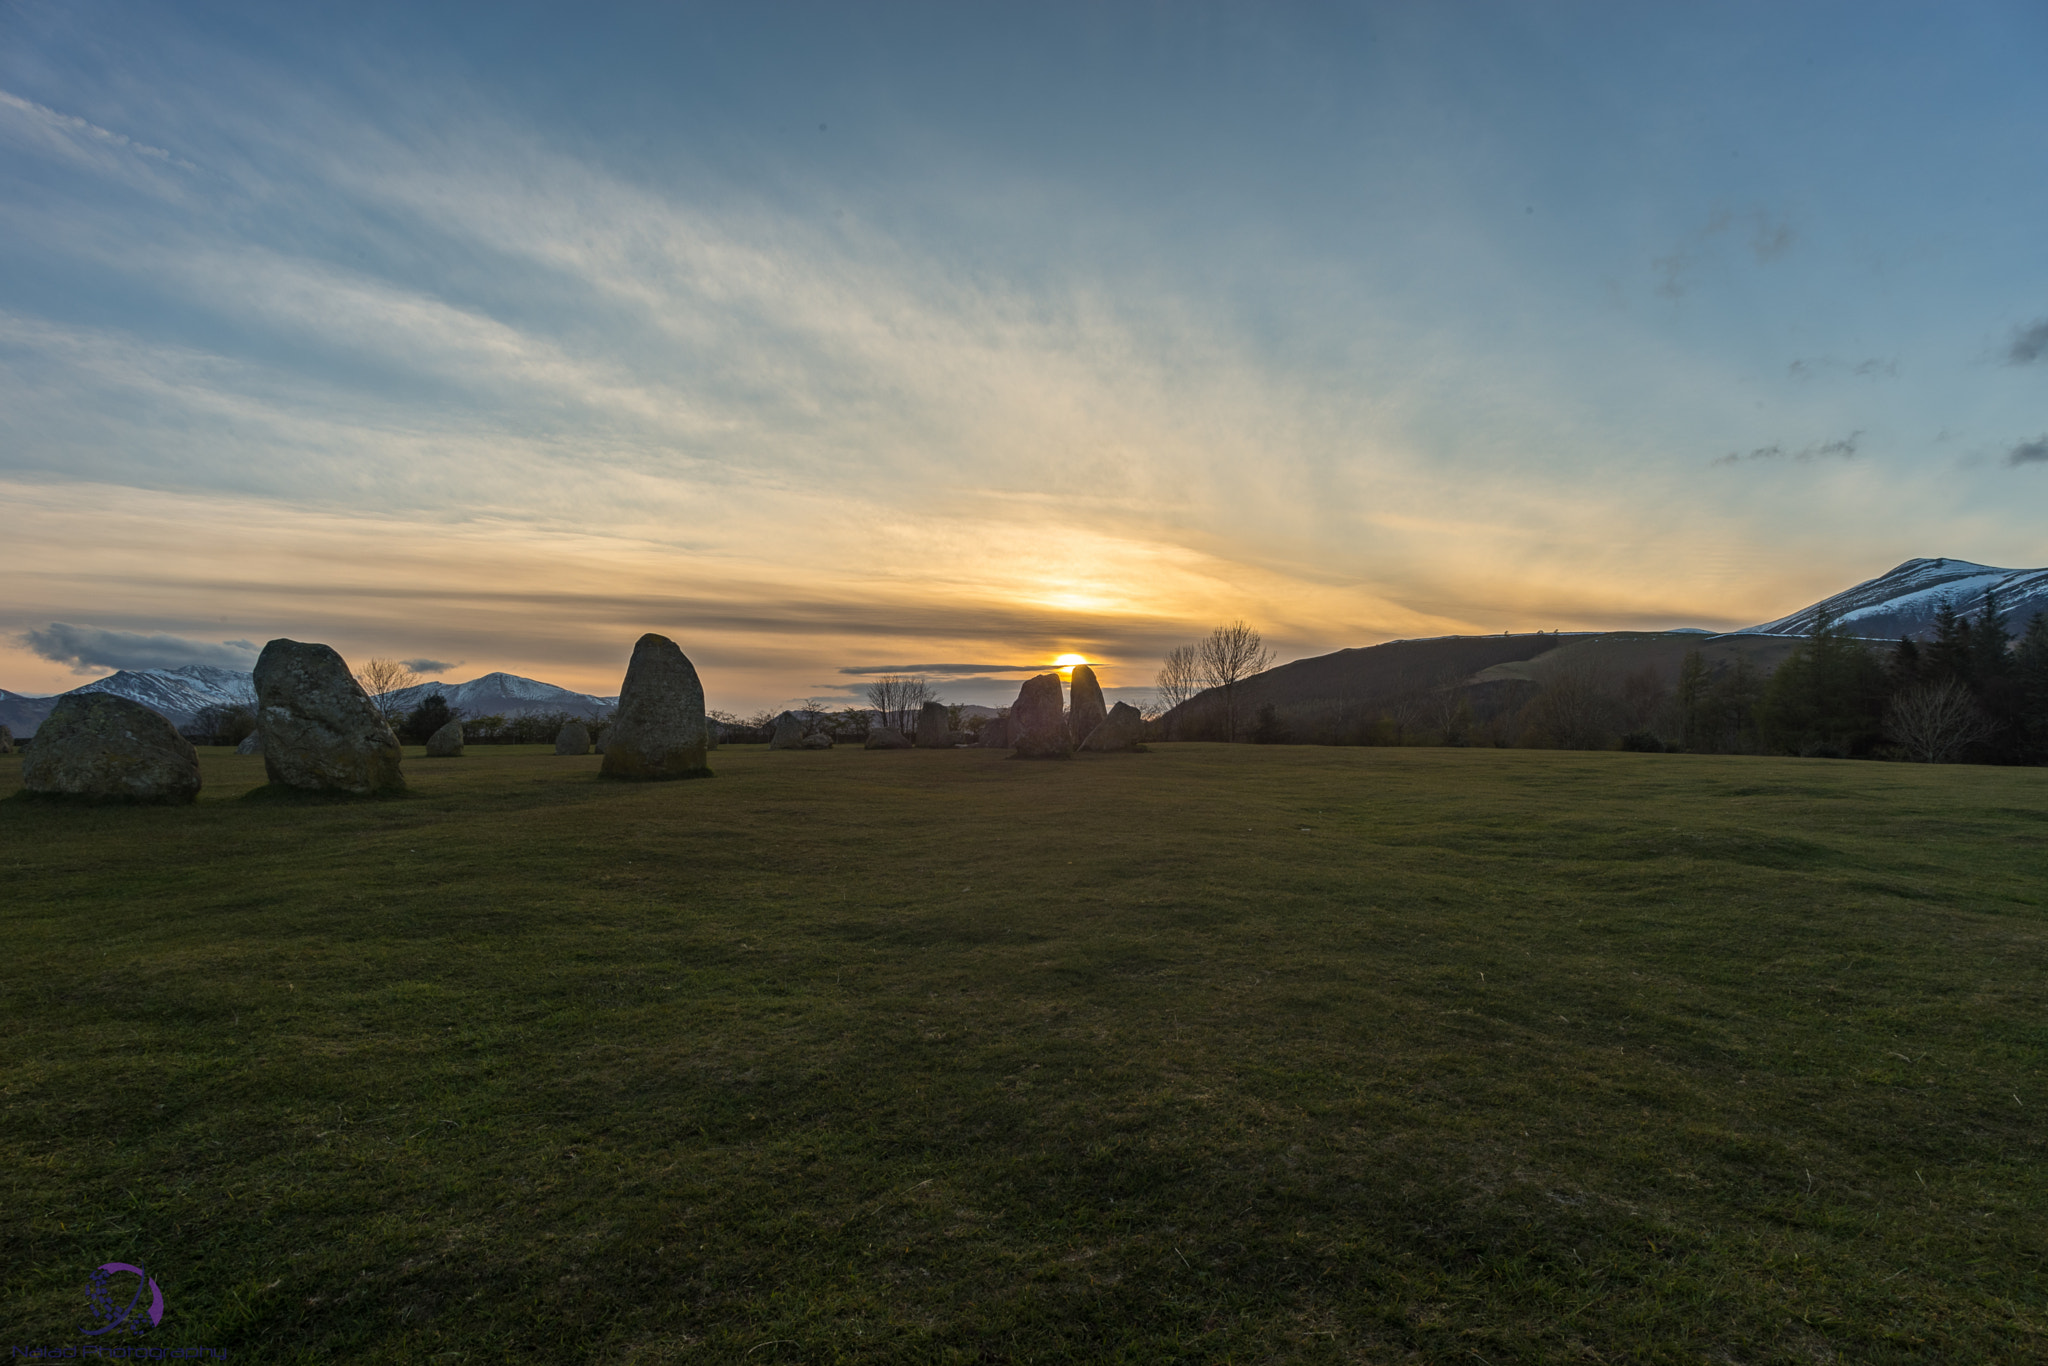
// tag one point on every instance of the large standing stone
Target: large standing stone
(1085, 709)
(933, 728)
(885, 737)
(658, 730)
(446, 743)
(252, 743)
(573, 738)
(789, 732)
(107, 748)
(995, 733)
(1119, 730)
(1038, 723)
(321, 732)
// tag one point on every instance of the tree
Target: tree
(383, 678)
(1179, 677)
(1935, 722)
(897, 697)
(1227, 658)
(1827, 699)
(430, 715)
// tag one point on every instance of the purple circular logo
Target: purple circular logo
(103, 1295)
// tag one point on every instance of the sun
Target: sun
(1065, 664)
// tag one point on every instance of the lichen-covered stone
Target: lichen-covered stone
(321, 732)
(573, 738)
(886, 737)
(101, 747)
(789, 732)
(1038, 723)
(252, 743)
(1119, 730)
(817, 739)
(1085, 708)
(446, 743)
(657, 733)
(933, 728)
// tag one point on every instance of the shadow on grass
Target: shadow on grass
(276, 794)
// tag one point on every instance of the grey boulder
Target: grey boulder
(6, 740)
(1119, 730)
(446, 743)
(933, 731)
(657, 733)
(789, 732)
(1038, 723)
(815, 740)
(883, 737)
(252, 743)
(1085, 709)
(995, 734)
(321, 732)
(573, 738)
(101, 747)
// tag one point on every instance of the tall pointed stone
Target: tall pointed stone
(789, 732)
(1038, 723)
(1120, 730)
(657, 732)
(1085, 708)
(321, 732)
(933, 729)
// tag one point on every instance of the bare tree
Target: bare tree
(383, 678)
(1179, 677)
(1575, 710)
(897, 696)
(1936, 722)
(1227, 658)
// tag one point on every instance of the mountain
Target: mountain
(1904, 601)
(504, 694)
(181, 694)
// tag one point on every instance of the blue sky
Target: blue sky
(831, 339)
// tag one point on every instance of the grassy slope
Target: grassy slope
(1210, 1054)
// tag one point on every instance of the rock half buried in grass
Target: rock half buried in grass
(1119, 730)
(252, 743)
(104, 748)
(573, 738)
(1085, 708)
(321, 732)
(886, 737)
(657, 733)
(789, 732)
(933, 730)
(1038, 723)
(817, 739)
(446, 743)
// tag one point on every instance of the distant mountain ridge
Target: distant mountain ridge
(1903, 601)
(182, 693)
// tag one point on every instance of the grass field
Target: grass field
(1211, 1054)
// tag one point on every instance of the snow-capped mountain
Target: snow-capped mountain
(181, 694)
(504, 694)
(1904, 601)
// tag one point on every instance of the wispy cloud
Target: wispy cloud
(431, 666)
(89, 648)
(1874, 367)
(867, 669)
(2033, 452)
(1843, 448)
(2028, 344)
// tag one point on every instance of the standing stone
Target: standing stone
(932, 728)
(1119, 730)
(446, 743)
(573, 738)
(321, 732)
(658, 730)
(252, 743)
(884, 737)
(107, 748)
(6, 740)
(996, 733)
(714, 731)
(789, 732)
(1038, 723)
(1085, 709)
(817, 739)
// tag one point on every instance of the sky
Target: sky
(833, 340)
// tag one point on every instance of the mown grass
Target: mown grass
(1212, 1054)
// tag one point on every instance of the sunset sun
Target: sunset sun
(1065, 664)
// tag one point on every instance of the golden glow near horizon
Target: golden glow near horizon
(1065, 664)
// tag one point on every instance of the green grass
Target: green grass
(1212, 1054)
